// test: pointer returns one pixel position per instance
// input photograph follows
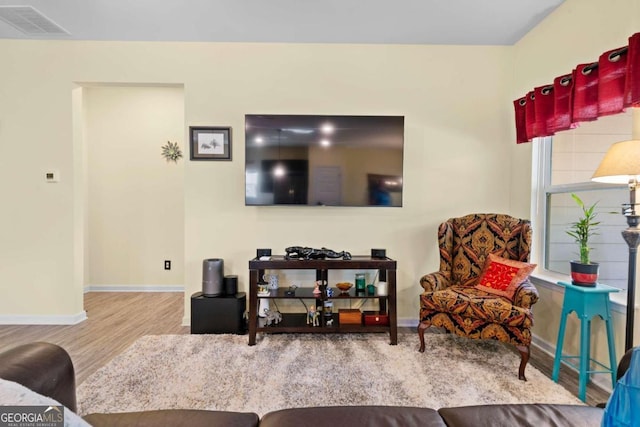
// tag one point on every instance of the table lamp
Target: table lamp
(621, 165)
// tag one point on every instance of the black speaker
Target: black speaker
(263, 252)
(212, 277)
(231, 285)
(224, 315)
(378, 253)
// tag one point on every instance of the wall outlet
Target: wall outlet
(52, 176)
(167, 264)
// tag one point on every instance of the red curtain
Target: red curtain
(632, 84)
(590, 91)
(544, 109)
(521, 120)
(585, 93)
(562, 102)
(613, 76)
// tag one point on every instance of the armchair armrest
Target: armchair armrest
(526, 295)
(41, 367)
(435, 281)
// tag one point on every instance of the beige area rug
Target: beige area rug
(293, 370)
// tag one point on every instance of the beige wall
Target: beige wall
(135, 197)
(457, 129)
(460, 156)
(577, 32)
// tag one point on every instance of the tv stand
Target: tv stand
(296, 322)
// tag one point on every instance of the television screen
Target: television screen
(323, 160)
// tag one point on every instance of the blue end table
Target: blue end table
(586, 302)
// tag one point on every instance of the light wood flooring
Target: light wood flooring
(117, 319)
(114, 321)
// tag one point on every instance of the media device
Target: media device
(378, 253)
(323, 160)
(212, 277)
(263, 252)
(231, 284)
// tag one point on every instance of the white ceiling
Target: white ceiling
(468, 22)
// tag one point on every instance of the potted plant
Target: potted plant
(584, 272)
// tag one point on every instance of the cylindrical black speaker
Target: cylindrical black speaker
(231, 284)
(212, 277)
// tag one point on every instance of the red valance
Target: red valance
(591, 90)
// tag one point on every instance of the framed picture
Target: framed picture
(210, 143)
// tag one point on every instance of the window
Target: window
(566, 163)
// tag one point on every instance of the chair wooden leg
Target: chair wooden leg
(524, 358)
(421, 328)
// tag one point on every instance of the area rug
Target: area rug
(294, 370)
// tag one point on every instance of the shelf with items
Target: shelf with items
(294, 322)
(303, 292)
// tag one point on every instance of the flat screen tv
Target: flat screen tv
(320, 160)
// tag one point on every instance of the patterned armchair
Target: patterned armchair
(450, 299)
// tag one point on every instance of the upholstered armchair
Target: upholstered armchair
(451, 299)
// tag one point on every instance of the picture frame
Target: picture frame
(210, 143)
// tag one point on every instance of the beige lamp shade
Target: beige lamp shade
(621, 163)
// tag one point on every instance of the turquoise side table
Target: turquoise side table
(586, 302)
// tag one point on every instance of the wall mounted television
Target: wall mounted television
(323, 160)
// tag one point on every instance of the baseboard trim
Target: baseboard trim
(407, 322)
(133, 288)
(43, 320)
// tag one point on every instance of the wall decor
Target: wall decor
(210, 143)
(171, 152)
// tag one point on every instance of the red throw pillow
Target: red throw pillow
(501, 276)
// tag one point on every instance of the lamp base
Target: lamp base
(632, 236)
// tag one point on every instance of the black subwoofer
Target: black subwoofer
(224, 315)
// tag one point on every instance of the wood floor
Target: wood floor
(116, 320)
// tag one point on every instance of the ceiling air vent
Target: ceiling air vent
(30, 21)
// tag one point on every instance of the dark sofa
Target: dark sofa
(48, 370)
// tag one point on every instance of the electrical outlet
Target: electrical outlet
(52, 176)
(167, 264)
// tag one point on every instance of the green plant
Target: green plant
(584, 228)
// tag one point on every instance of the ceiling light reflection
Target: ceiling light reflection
(327, 128)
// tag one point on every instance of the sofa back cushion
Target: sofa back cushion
(351, 416)
(522, 415)
(175, 418)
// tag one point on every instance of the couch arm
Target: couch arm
(526, 295)
(41, 367)
(434, 281)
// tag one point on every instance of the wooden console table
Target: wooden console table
(296, 322)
